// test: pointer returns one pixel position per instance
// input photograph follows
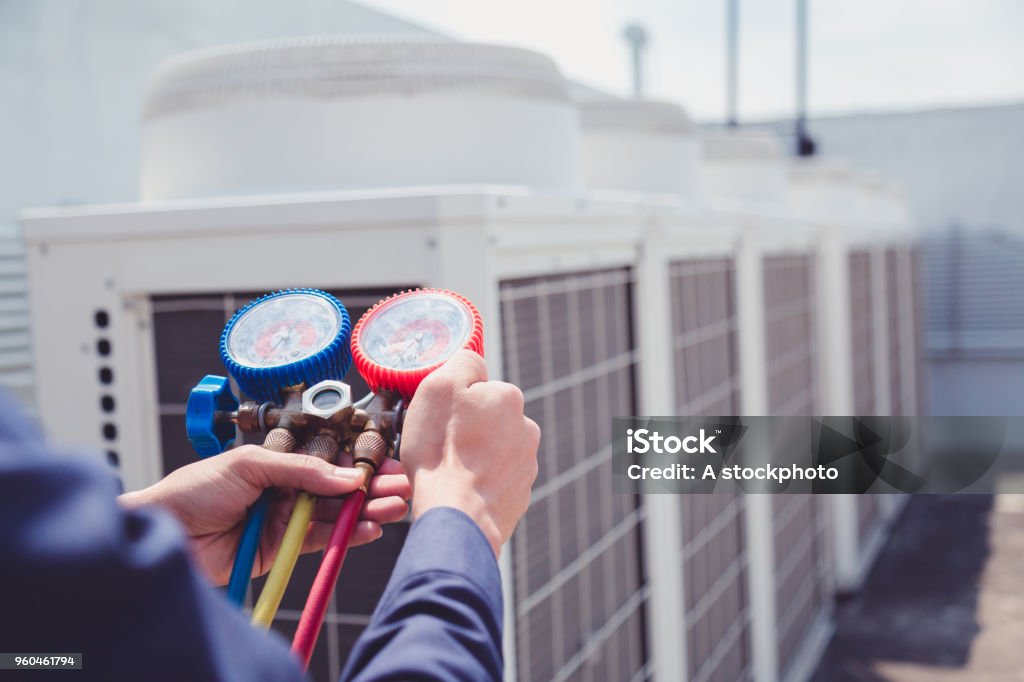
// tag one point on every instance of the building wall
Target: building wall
(962, 172)
(73, 75)
(971, 283)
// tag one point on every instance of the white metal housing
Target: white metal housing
(745, 165)
(640, 145)
(344, 113)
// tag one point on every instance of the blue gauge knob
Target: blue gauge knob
(210, 435)
(297, 336)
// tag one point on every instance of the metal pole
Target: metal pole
(636, 36)
(732, 62)
(804, 144)
(638, 85)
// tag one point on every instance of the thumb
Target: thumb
(267, 469)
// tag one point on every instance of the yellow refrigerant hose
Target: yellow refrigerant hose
(266, 607)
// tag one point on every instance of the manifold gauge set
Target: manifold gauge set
(288, 352)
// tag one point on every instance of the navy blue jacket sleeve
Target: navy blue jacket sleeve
(441, 615)
(80, 574)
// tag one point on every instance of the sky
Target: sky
(865, 55)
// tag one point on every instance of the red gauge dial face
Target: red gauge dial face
(403, 339)
(416, 332)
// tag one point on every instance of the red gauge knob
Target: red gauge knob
(402, 339)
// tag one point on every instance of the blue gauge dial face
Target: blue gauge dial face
(416, 332)
(283, 330)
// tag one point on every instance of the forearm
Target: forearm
(441, 615)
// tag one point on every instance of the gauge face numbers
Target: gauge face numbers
(283, 330)
(417, 331)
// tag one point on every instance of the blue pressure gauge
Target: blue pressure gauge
(297, 336)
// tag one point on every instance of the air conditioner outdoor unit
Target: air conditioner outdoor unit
(362, 168)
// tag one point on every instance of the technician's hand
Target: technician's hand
(211, 498)
(467, 444)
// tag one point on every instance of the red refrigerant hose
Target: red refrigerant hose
(323, 586)
(369, 451)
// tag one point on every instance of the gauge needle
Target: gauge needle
(417, 339)
(269, 356)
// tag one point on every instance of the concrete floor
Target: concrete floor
(945, 600)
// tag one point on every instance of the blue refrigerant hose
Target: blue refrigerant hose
(278, 440)
(241, 571)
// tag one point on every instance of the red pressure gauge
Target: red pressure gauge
(402, 339)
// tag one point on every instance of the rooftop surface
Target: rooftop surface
(943, 601)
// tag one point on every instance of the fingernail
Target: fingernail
(348, 473)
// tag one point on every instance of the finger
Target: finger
(327, 509)
(464, 369)
(388, 466)
(385, 510)
(533, 432)
(265, 469)
(506, 397)
(365, 533)
(388, 485)
(389, 473)
(317, 537)
(281, 509)
(284, 498)
(391, 466)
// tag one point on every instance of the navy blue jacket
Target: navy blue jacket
(80, 574)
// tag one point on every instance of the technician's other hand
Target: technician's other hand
(467, 444)
(211, 497)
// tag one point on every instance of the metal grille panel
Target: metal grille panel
(800, 570)
(862, 334)
(577, 555)
(715, 569)
(704, 337)
(714, 558)
(896, 296)
(789, 334)
(800, 558)
(15, 343)
(186, 331)
(920, 306)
